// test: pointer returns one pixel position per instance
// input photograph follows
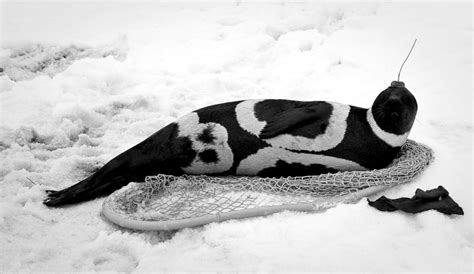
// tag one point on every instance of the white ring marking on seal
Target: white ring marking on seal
(189, 126)
(393, 140)
(269, 156)
(245, 113)
(333, 135)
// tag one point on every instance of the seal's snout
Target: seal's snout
(394, 106)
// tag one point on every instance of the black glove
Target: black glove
(437, 199)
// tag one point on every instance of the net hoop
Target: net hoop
(167, 202)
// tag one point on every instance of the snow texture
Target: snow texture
(147, 64)
(32, 60)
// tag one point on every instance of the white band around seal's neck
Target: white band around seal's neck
(393, 140)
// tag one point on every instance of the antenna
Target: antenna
(398, 80)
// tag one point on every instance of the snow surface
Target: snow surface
(57, 129)
(32, 60)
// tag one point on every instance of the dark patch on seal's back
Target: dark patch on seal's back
(208, 156)
(323, 127)
(206, 135)
(283, 168)
(266, 110)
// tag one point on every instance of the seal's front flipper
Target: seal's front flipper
(85, 190)
(290, 119)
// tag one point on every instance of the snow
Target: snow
(58, 126)
(32, 60)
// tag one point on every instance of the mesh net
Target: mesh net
(165, 202)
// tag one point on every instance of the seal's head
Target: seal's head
(394, 109)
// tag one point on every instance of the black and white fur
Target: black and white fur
(268, 138)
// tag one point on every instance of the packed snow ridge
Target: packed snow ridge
(31, 60)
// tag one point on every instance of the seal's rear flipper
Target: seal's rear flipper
(85, 190)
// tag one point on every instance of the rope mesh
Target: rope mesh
(172, 202)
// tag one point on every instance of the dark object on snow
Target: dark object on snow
(437, 199)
